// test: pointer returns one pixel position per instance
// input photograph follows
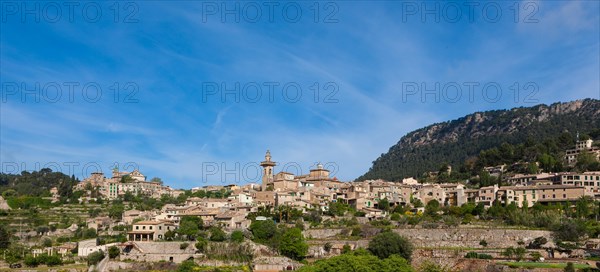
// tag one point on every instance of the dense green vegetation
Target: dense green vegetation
(288, 241)
(28, 187)
(388, 243)
(187, 266)
(460, 142)
(530, 265)
(359, 260)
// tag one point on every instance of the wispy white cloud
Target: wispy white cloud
(171, 132)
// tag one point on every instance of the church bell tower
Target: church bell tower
(267, 165)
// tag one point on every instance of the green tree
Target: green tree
(570, 230)
(65, 187)
(189, 226)
(292, 244)
(432, 208)
(217, 234)
(14, 253)
(547, 162)
(31, 261)
(532, 168)
(127, 179)
(520, 253)
(9, 193)
(53, 260)
(170, 235)
(237, 236)
(327, 247)
(47, 242)
(586, 161)
(346, 249)
(583, 207)
(417, 203)
(113, 252)
(201, 244)
(359, 260)
(94, 212)
(383, 204)
(4, 237)
(95, 257)
(157, 180)
(116, 211)
(337, 208)
(570, 267)
(509, 252)
(537, 243)
(263, 230)
(536, 256)
(388, 243)
(187, 266)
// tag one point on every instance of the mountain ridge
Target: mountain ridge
(454, 141)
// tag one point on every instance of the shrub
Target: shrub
(382, 222)
(327, 247)
(201, 245)
(186, 266)
(570, 267)
(430, 225)
(359, 260)
(475, 255)
(346, 248)
(356, 231)
(537, 242)
(95, 257)
(237, 236)
(483, 243)
(414, 220)
(53, 260)
(113, 252)
(471, 255)
(536, 256)
(360, 214)
(263, 230)
(387, 243)
(484, 256)
(292, 244)
(31, 261)
(509, 252)
(570, 230)
(183, 246)
(217, 234)
(47, 242)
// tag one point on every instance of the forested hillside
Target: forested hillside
(36, 183)
(459, 141)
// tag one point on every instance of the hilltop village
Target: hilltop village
(334, 217)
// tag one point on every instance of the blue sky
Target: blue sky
(172, 62)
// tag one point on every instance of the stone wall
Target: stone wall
(463, 237)
(455, 237)
(321, 233)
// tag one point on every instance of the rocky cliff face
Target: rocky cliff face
(425, 149)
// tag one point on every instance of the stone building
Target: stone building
(581, 146)
(150, 230)
(156, 252)
(113, 187)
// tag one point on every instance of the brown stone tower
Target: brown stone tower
(267, 165)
